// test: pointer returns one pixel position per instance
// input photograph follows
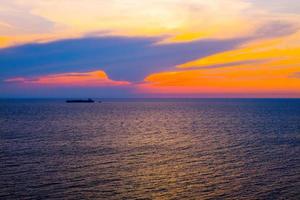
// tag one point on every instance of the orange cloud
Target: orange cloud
(264, 68)
(94, 79)
(243, 79)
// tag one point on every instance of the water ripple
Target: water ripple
(237, 149)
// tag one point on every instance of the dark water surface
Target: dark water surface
(197, 149)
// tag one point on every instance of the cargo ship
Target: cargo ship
(80, 101)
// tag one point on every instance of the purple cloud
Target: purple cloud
(122, 58)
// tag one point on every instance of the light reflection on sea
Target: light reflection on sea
(204, 149)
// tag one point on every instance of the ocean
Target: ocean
(150, 149)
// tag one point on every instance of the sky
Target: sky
(150, 48)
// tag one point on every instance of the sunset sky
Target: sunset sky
(150, 48)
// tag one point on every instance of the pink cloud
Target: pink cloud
(93, 78)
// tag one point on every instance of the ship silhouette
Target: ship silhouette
(80, 101)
